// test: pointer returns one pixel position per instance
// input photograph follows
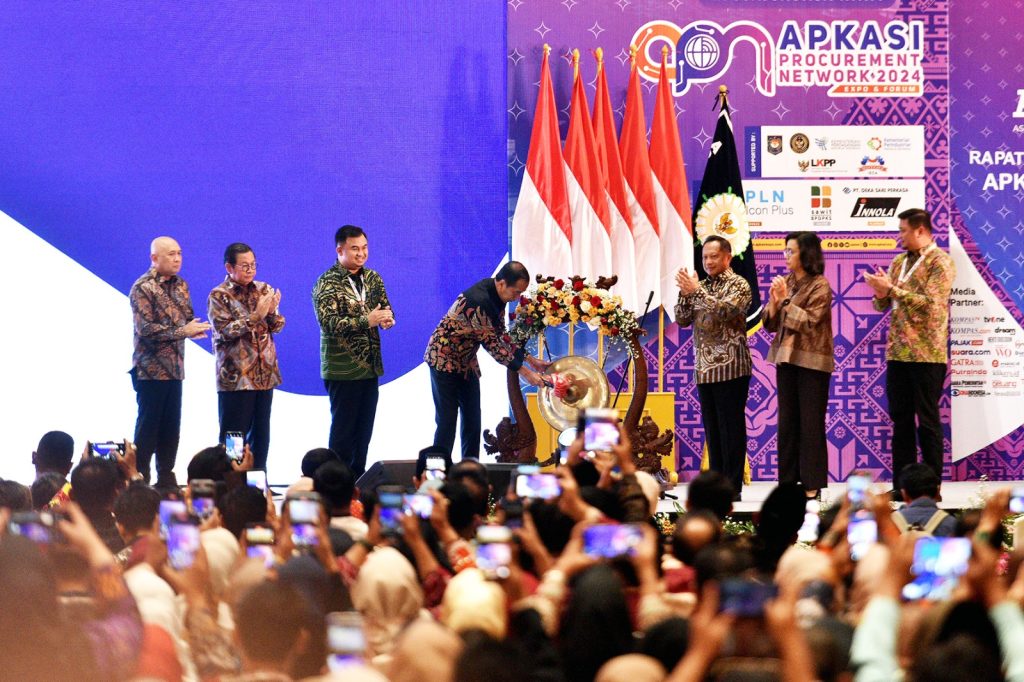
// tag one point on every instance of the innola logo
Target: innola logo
(852, 58)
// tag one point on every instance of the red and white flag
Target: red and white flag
(621, 231)
(541, 225)
(591, 245)
(670, 192)
(643, 214)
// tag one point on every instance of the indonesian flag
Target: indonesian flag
(643, 214)
(670, 193)
(591, 245)
(621, 230)
(541, 226)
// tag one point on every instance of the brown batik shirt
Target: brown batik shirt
(718, 313)
(161, 307)
(246, 355)
(803, 327)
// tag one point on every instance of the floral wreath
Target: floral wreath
(557, 301)
(724, 215)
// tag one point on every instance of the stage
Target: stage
(956, 495)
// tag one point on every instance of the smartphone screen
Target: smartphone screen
(745, 598)
(857, 486)
(391, 503)
(434, 470)
(600, 430)
(259, 544)
(234, 445)
(182, 544)
(257, 479)
(202, 491)
(419, 505)
(610, 540)
(303, 511)
(938, 565)
(493, 559)
(861, 533)
(1017, 500)
(346, 641)
(513, 513)
(171, 510)
(305, 535)
(106, 449)
(36, 526)
(539, 486)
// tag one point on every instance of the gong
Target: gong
(587, 387)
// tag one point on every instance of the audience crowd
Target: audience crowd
(104, 578)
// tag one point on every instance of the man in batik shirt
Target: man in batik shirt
(916, 288)
(476, 318)
(717, 309)
(163, 319)
(245, 316)
(351, 307)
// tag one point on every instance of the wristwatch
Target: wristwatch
(785, 302)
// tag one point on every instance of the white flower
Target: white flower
(585, 306)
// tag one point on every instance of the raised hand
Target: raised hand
(195, 329)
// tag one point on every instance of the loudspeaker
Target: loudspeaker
(401, 471)
(391, 472)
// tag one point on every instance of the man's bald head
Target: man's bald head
(165, 255)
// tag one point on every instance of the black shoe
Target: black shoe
(167, 482)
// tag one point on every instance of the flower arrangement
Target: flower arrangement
(557, 301)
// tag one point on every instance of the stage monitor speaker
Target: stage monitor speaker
(401, 471)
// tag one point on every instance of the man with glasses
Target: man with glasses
(245, 316)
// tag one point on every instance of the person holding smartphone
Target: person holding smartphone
(799, 312)
(245, 317)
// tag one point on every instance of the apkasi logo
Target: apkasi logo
(852, 58)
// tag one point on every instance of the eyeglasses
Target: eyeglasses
(788, 252)
(247, 267)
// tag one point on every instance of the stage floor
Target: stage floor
(955, 494)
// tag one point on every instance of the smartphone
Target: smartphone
(182, 543)
(744, 597)
(304, 535)
(540, 486)
(513, 512)
(346, 641)
(938, 565)
(600, 429)
(304, 508)
(392, 500)
(861, 533)
(106, 449)
(610, 540)
(418, 505)
(857, 486)
(234, 445)
(39, 527)
(494, 551)
(257, 478)
(1017, 500)
(171, 510)
(259, 543)
(202, 492)
(434, 470)
(809, 530)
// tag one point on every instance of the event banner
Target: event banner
(846, 113)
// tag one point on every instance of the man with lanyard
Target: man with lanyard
(351, 307)
(245, 317)
(917, 289)
(163, 319)
(476, 318)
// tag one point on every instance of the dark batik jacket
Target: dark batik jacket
(246, 355)
(161, 307)
(349, 346)
(718, 313)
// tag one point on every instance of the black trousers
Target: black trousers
(249, 413)
(158, 426)
(723, 410)
(455, 393)
(353, 410)
(913, 390)
(803, 447)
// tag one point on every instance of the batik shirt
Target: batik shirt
(718, 313)
(803, 327)
(349, 346)
(475, 319)
(161, 307)
(246, 355)
(919, 326)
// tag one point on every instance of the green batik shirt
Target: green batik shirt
(349, 346)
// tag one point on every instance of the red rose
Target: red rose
(555, 305)
(578, 285)
(614, 331)
(523, 300)
(511, 316)
(558, 283)
(595, 301)
(529, 321)
(575, 300)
